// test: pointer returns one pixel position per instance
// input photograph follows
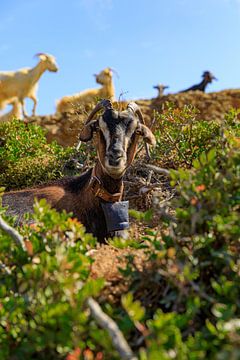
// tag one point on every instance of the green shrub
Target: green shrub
(42, 292)
(181, 138)
(195, 264)
(181, 303)
(25, 157)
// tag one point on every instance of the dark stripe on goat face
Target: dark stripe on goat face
(117, 129)
(118, 126)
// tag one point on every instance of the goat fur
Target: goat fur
(23, 83)
(70, 102)
(68, 194)
(15, 112)
(208, 77)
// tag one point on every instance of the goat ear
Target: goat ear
(41, 56)
(147, 134)
(87, 132)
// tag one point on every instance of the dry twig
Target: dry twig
(108, 324)
(13, 233)
(157, 169)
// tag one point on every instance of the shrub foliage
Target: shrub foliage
(183, 303)
(26, 158)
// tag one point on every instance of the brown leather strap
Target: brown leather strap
(99, 191)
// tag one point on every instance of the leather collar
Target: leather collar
(99, 191)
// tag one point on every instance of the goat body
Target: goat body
(15, 112)
(70, 194)
(85, 97)
(22, 83)
(200, 87)
(160, 88)
(207, 79)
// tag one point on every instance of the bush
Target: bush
(42, 292)
(195, 264)
(181, 138)
(25, 157)
(181, 303)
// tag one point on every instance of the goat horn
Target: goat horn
(105, 103)
(115, 72)
(132, 106)
(39, 54)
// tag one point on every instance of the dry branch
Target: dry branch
(108, 324)
(13, 233)
(157, 169)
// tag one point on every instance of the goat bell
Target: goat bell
(116, 215)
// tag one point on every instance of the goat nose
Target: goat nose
(115, 156)
(116, 152)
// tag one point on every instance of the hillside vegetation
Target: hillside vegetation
(64, 128)
(173, 287)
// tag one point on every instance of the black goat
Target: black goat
(208, 77)
(117, 136)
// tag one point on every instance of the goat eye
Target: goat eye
(95, 127)
(138, 130)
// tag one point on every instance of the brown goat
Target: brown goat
(117, 136)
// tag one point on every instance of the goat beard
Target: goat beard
(115, 173)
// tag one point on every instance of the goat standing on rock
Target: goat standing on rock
(160, 88)
(208, 77)
(94, 197)
(23, 83)
(14, 113)
(71, 102)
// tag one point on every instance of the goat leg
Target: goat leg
(23, 108)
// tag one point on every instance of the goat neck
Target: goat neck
(37, 71)
(107, 90)
(104, 186)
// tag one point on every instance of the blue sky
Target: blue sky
(146, 41)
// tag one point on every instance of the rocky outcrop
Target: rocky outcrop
(64, 128)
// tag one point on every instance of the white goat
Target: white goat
(15, 112)
(160, 88)
(91, 95)
(23, 84)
